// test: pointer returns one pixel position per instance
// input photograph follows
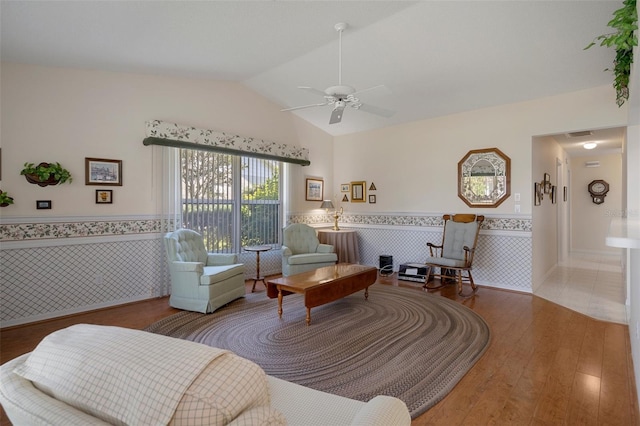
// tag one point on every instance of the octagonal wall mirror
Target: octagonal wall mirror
(484, 178)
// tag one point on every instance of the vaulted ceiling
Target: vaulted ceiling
(433, 57)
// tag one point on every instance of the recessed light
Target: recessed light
(589, 145)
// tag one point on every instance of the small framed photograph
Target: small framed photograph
(537, 193)
(104, 196)
(553, 194)
(43, 204)
(564, 193)
(314, 190)
(345, 187)
(101, 171)
(358, 192)
(372, 199)
(546, 183)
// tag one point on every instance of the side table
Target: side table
(345, 242)
(257, 250)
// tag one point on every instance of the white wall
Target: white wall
(546, 153)
(65, 115)
(414, 166)
(632, 161)
(589, 221)
(79, 255)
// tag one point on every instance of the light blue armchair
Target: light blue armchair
(201, 281)
(302, 252)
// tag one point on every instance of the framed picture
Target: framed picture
(372, 199)
(43, 204)
(100, 171)
(104, 196)
(537, 193)
(546, 183)
(314, 190)
(553, 194)
(344, 187)
(564, 193)
(358, 192)
(345, 198)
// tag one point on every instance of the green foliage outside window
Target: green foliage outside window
(208, 194)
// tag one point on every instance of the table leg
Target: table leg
(366, 293)
(308, 316)
(257, 278)
(279, 302)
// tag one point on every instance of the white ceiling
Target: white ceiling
(435, 57)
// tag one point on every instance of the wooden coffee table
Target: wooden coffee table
(323, 285)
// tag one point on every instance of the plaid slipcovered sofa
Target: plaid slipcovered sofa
(99, 375)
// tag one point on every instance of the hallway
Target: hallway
(589, 284)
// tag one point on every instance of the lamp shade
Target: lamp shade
(326, 204)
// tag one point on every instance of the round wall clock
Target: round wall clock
(598, 190)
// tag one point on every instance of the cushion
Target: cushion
(264, 415)
(215, 274)
(304, 259)
(231, 390)
(300, 238)
(458, 235)
(454, 263)
(127, 376)
(185, 245)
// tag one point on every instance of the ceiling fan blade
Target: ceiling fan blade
(381, 87)
(312, 90)
(376, 110)
(305, 106)
(336, 115)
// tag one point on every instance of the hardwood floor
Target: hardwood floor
(546, 364)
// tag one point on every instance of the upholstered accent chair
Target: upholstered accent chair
(201, 281)
(302, 252)
(454, 257)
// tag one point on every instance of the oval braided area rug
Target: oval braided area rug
(400, 342)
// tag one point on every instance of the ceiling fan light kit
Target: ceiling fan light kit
(341, 96)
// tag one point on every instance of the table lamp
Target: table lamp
(326, 205)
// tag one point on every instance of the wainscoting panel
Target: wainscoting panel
(45, 282)
(500, 261)
(61, 266)
(503, 257)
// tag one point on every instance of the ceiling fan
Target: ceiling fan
(341, 96)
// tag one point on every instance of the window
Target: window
(232, 201)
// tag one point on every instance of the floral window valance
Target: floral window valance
(178, 136)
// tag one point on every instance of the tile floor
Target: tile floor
(590, 284)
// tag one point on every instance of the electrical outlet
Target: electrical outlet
(517, 196)
(517, 209)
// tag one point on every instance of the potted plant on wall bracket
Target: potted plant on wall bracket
(625, 24)
(46, 174)
(5, 199)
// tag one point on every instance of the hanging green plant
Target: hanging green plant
(625, 22)
(46, 174)
(5, 199)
